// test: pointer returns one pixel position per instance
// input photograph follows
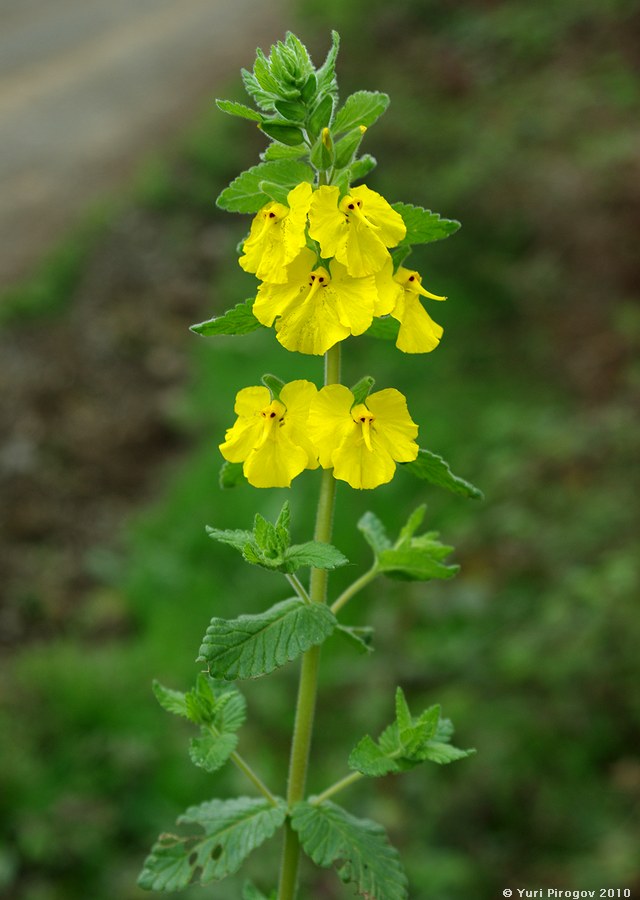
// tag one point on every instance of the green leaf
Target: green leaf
(374, 533)
(361, 108)
(361, 167)
(282, 151)
(283, 132)
(234, 537)
(416, 563)
(320, 116)
(423, 226)
(385, 329)
(231, 475)
(173, 701)
(359, 849)
(239, 320)
(239, 109)
(292, 110)
(432, 468)
(244, 194)
(326, 74)
(250, 892)
(360, 636)
(406, 743)
(210, 752)
(315, 554)
(227, 832)
(274, 384)
(254, 645)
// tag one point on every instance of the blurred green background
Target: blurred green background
(521, 120)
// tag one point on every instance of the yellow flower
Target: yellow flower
(356, 230)
(317, 307)
(270, 436)
(362, 442)
(277, 235)
(418, 332)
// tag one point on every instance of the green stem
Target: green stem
(244, 767)
(353, 589)
(338, 786)
(298, 587)
(308, 687)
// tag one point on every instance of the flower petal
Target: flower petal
(276, 462)
(393, 427)
(359, 466)
(250, 400)
(327, 224)
(354, 298)
(418, 332)
(380, 213)
(297, 397)
(330, 420)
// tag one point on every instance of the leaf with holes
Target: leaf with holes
(359, 849)
(227, 832)
(254, 645)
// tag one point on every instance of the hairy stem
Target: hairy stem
(353, 589)
(308, 687)
(298, 587)
(338, 786)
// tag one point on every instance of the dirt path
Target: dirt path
(88, 86)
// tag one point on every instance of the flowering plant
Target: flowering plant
(329, 258)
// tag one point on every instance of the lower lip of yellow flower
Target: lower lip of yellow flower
(362, 416)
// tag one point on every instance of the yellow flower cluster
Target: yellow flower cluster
(326, 271)
(276, 438)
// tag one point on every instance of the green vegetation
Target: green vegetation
(522, 120)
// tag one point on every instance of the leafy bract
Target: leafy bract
(385, 328)
(423, 226)
(430, 467)
(269, 545)
(245, 194)
(239, 110)
(227, 832)
(219, 709)
(361, 108)
(231, 475)
(359, 636)
(254, 645)
(238, 320)
(359, 848)
(407, 742)
(411, 557)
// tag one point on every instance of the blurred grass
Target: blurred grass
(533, 650)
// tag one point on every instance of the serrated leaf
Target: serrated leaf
(239, 320)
(359, 849)
(406, 743)
(210, 752)
(367, 757)
(374, 532)
(412, 524)
(231, 475)
(423, 226)
(361, 108)
(326, 74)
(282, 151)
(244, 195)
(414, 564)
(287, 134)
(233, 537)
(320, 116)
(251, 892)
(239, 110)
(315, 554)
(432, 468)
(360, 636)
(385, 329)
(360, 168)
(442, 754)
(232, 830)
(173, 701)
(254, 645)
